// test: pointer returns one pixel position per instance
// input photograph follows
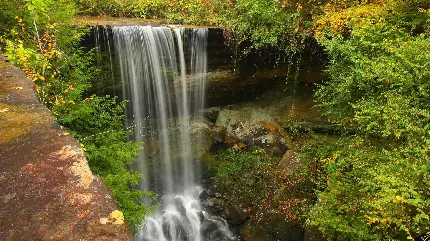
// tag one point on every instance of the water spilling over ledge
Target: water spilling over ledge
(154, 63)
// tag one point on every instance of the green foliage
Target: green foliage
(122, 8)
(247, 176)
(367, 191)
(268, 23)
(45, 46)
(373, 185)
(9, 10)
(98, 122)
(387, 70)
(92, 115)
(191, 12)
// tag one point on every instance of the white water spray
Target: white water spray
(153, 68)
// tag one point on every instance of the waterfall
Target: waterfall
(163, 72)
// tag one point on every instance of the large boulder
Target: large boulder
(249, 127)
(290, 163)
(236, 120)
(272, 225)
(235, 214)
(211, 113)
(213, 204)
(209, 229)
(312, 234)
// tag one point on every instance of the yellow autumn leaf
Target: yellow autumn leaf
(116, 217)
(5, 109)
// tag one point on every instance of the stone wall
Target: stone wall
(47, 191)
(233, 77)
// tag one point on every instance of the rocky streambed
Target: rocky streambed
(261, 200)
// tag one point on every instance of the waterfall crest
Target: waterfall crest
(155, 65)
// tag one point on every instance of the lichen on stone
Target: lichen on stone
(80, 167)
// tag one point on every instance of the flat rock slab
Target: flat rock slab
(47, 191)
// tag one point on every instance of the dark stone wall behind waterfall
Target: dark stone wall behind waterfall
(232, 76)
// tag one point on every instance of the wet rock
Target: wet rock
(312, 234)
(165, 228)
(209, 134)
(201, 215)
(289, 162)
(213, 204)
(315, 127)
(258, 136)
(226, 86)
(272, 226)
(211, 113)
(179, 204)
(218, 204)
(236, 214)
(171, 222)
(198, 126)
(231, 140)
(253, 128)
(218, 146)
(204, 195)
(276, 151)
(209, 229)
(236, 120)
(218, 133)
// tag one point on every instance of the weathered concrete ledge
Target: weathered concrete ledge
(47, 191)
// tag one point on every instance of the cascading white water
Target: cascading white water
(183, 107)
(183, 219)
(153, 68)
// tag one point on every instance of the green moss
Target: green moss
(247, 177)
(16, 122)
